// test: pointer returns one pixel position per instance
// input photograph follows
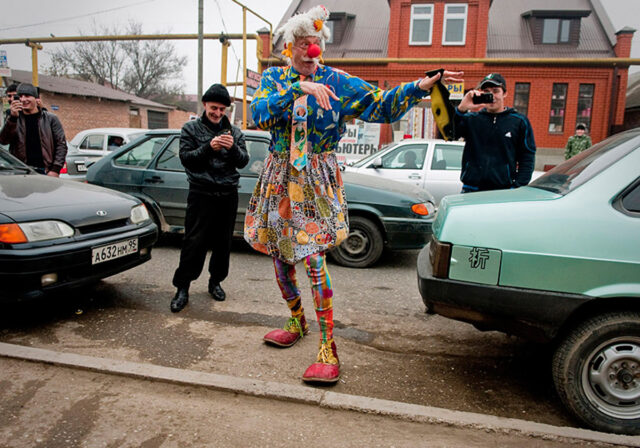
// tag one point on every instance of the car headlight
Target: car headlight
(423, 208)
(139, 214)
(29, 232)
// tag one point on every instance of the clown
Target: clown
(298, 210)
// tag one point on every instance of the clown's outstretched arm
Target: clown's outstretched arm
(272, 101)
(372, 104)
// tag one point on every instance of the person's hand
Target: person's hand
(447, 78)
(224, 141)
(53, 174)
(467, 105)
(16, 107)
(321, 92)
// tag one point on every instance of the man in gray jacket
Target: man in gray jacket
(34, 136)
(211, 150)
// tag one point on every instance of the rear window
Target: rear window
(581, 168)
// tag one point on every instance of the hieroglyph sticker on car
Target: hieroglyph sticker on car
(475, 264)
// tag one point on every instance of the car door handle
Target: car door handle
(154, 180)
(415, 176)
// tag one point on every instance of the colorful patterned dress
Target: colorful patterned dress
(295, 213)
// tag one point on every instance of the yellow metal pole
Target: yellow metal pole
(244, 67)
(34, 61)
(223, 65)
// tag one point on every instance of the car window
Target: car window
(405, 157)
(581, 168)
(141, 154)
(369, 158)
(447, 157)
(631, 200)
(258, 151)
(92, 141)
(114, 142)
(169, 160)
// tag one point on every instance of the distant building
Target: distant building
(84, 105)
(554, 97)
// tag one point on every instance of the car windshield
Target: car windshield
(9, 163)
(579, 169)
(366, 160)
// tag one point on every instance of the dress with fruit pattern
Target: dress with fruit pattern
(295, 213)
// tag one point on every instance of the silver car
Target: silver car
(92, 144)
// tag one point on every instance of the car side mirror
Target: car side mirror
(377, 163)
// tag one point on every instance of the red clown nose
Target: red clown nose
(313, 51)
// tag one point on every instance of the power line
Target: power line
(76, 17)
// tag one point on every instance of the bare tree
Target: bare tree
(144, 68)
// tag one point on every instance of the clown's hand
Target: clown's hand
(321, 92)
(447, 78)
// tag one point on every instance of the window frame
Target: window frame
(559, 32)
(448, 15)
(421, 16)
(516, 96)
(563, 109)
(579, 118)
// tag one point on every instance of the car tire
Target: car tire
(596, 371)
(363, 247)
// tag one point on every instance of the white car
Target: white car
(431, 164)
(92, 144)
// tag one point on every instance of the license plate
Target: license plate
(475, 264)
(81, 167)
(113, 251)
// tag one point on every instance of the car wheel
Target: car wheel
(596, 371)
(363, 246)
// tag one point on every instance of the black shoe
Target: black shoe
(180, 300)
(217, 292)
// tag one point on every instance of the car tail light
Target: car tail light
(439, 256)
(64, 169)
(423, 209)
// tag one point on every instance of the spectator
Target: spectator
(12, 90)
(578, 142)
(211, 151)
(499, 150)
(34, 136)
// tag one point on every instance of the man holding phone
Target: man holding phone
(35, 136)
(499, 151)
(211, 150)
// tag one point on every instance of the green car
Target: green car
(382, 213)
(556, 261)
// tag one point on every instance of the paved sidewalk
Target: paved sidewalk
(322, 398)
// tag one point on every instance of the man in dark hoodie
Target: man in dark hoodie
(500, 150)
(211, 150)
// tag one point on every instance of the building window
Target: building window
(329, 24)
(555, 31)
(521, 97)
(558, 104)
(455, 24)
(585, 104)
(421, 25)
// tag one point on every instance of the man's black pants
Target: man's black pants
(208, 225)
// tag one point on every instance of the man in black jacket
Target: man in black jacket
(34, 135)
(211, 150)
(499, 150)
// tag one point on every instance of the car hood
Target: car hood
(392, 186)
(35, 197)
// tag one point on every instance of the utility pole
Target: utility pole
(200, 45)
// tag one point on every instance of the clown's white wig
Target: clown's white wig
(310, 23)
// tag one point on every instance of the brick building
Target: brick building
(373, 39)
(84, 105)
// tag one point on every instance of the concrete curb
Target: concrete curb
(318, 397)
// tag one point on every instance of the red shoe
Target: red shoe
(293, 331)
(326, 369)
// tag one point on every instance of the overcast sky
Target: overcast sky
(74, 17)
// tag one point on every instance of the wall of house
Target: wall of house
(79, 113)
(177, 118)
